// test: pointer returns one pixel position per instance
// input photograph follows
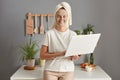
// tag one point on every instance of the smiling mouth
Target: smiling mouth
(61, 22)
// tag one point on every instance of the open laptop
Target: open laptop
(82, 44)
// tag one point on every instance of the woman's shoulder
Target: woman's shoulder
(50, 31)
(72, 32)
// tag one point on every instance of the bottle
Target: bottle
(91, 58)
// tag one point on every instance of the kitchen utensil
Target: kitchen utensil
(41, 26)
(36, 28)
(47, 20)
(29, 25)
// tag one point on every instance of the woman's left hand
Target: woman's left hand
(74, 58)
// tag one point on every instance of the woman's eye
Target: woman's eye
(58, 16)
(64, 16)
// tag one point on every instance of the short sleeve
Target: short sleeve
(45, 40)
(74, 34)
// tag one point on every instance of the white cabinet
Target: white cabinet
(80, 74)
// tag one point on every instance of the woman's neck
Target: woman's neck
(61, 29)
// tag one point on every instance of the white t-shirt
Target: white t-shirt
(57, 42)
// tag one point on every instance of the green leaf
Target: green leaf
(29, 49)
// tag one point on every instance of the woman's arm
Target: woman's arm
(45, 55)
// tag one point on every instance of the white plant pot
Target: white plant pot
(30, 62)
(91, 32)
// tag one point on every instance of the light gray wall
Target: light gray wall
(103, 14)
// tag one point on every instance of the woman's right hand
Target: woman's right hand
(44, 54)
(63, 53)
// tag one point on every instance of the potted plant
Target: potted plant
(79, 31)
(29, 50)
(89, 29)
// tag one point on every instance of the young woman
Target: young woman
(55, 43)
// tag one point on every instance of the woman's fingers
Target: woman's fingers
(76, 57)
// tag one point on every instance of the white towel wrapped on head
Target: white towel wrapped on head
(67, 8)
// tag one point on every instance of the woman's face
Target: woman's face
(61, 18)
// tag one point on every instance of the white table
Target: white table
(80, 74)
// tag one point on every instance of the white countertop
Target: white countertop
(97, 74)
(80, 74)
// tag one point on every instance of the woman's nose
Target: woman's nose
(61, 18)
